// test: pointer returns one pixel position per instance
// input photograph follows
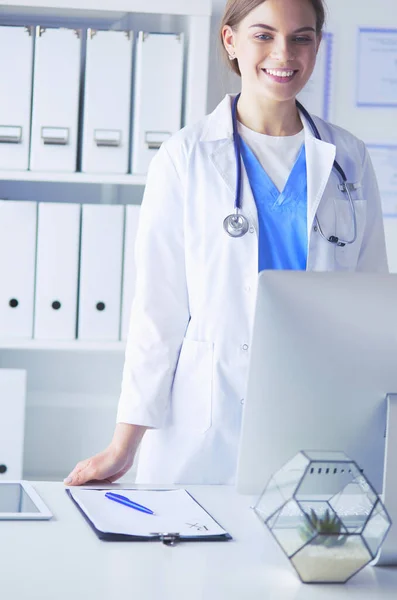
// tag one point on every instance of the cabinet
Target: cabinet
(73, 387)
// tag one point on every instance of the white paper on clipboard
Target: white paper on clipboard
(175, 511)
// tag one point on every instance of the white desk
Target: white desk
(62, 559)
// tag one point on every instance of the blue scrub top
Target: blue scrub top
(282, 216)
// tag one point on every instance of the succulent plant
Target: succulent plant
(327, 528)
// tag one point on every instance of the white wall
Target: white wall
(221, 79)
(373, 125)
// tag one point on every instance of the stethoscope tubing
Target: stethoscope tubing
(237, 152)
(336, 166)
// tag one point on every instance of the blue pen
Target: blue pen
(128, 502)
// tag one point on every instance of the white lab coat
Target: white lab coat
(187, 353)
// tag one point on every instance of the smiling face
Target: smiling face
(276, 47)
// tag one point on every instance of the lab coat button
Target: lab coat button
(245, 347)
(252, 229)
(242, 401)
(315, 228)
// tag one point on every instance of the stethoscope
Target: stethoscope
(236, 225)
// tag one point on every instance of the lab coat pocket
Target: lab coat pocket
(191, 398)
(347, 256)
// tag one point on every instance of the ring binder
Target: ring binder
(56, 88)
(159, 65)
(16, 64)
(107, 102)
(18, 232)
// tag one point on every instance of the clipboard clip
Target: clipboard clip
(169, 539)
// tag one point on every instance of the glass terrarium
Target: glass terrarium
(325, 515)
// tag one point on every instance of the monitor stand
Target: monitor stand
(388, 553)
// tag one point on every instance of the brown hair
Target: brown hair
(237, 10)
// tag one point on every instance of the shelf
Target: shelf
(73, 345)
(169, 7)
(99, 179)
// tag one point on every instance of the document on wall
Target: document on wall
(316, 95)
(384, 160)
(176, 513)
(377, 68)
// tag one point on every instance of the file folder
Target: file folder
(157, 96)
(16, 65)
(177, 516)
(129, 269)
(107, 102)
(58, 238)
(100, 272)
(55, 100)
(12, 422)
(17, 267)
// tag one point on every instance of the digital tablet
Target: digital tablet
(19, 501)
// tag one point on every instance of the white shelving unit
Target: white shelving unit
(73, 387)
(63, 346)
(73, 178)
(196, 15)
(77, 7)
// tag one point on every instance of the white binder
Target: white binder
(55, 100)
(16, 64)
(17, 267)
(129, 269)
(107, 102)
(58, 238)
(100, 272)
(157, 95)
(12, 422)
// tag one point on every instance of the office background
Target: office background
(73, 387)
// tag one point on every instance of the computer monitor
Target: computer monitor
(323, 360)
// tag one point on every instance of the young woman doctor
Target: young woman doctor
(187, 354)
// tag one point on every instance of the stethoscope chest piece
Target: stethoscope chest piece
(236, 225)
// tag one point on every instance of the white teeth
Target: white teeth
(280, 73)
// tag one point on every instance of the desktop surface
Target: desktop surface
(63, 559)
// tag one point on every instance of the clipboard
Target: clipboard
(169, 537)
